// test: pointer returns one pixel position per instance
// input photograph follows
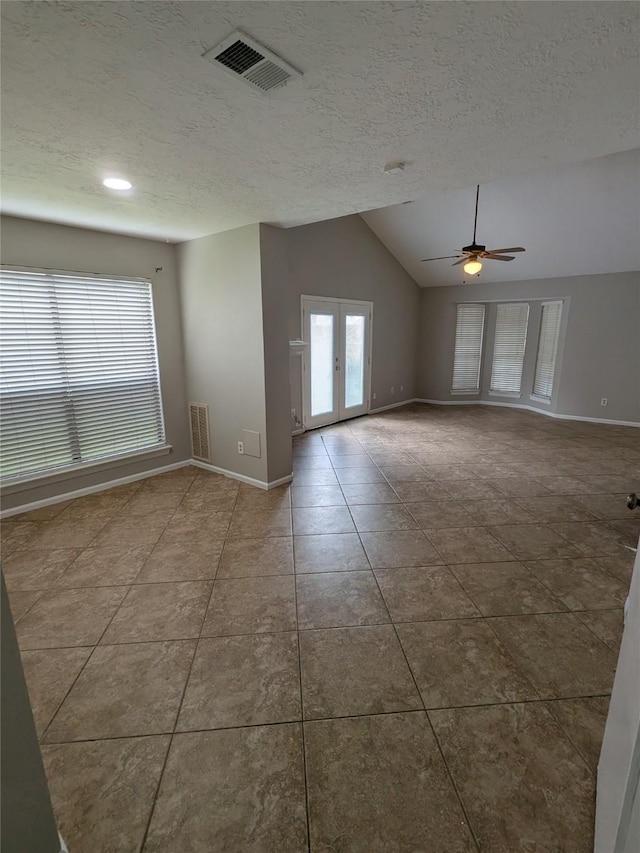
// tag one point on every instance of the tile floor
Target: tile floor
(410, 649)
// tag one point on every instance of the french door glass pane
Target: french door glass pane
(322, 366)
(354, 361)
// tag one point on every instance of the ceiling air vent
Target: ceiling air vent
(199, 415)
(247, 60)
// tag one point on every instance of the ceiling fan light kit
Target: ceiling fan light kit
(470, 255)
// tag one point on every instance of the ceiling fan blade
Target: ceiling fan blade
(462, 260)
(505, 251)
(443, 258)
(491, 257)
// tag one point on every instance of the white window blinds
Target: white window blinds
(509, 346)
(547, 349)
(468, 349)
(79, 377)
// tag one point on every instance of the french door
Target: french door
(337, 360)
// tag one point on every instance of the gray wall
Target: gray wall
(220, 280)
(344, 258)
(275, 303)
(26, 242)
(28, 824)
(599, 350)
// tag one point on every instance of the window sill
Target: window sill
(33, 482)
(545, 400)
(514, 395)
(456, 393)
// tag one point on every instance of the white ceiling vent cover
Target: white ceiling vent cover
(245, 59)
(199, 415)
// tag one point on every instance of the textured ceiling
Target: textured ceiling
(464, 92)
(572, 220)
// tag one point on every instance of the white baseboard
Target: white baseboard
(91, 490)
(394, 406)
(298, 431)
(123, 481)
(528, 409)
(260, 484)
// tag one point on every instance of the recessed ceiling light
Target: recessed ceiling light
(117, 184)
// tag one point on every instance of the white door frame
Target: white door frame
(305, 356)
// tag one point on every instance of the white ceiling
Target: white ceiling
(572, 220)
(464, 92)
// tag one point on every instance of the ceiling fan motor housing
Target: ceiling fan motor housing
(474, 249)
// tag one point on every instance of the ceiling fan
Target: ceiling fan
(470, 255)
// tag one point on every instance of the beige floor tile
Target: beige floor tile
(606, 624)
(564, 485)
(464, 490)
(504, 589)
(620, 567)
(169, 482)
(182, 561)
(369, 493)
(132, 531)
(232, 790)
(105, 566)
(378, 783)
(553, 508)
(322, 519)
(605, 506)
(503, 511)
(44, 513)
(341, 461)
(68, 534)
(102, 791)
(533, 541)
(461, 662)
(125, 690)
(255, 557)
(189, 526)
(583, 720)
(434, 514)
(378, 517)
(49, 674)
(305, 496)
(560, 656)
(160, 611)
(20, 534)
(361, 475)
(593, 539)
(311, 463)
(339, 599)
(208, 500)
(316, 477)
(405, 473)
(519, 487)
(251, 606)
(21, 601)
(424, 593)
(250, 497)
(74, 617)
(580, 584)
(420, 492)
(330, 552)
(351, 671)
(36, 569)
(148, 502)
(399, 549)
(467, 545)
(523, 784)
(242, 681)
(259, 523)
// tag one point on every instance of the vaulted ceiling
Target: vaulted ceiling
(464, 93)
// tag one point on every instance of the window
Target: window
(468, 351)
(79, 379)
(547, 349)
(508, 348)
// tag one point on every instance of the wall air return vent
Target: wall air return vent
(199, 416)
(245, 59)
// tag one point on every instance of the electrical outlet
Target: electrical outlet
(393, 390)
(604, 401)
(374, 395)
(241, 448)
(402, 387)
